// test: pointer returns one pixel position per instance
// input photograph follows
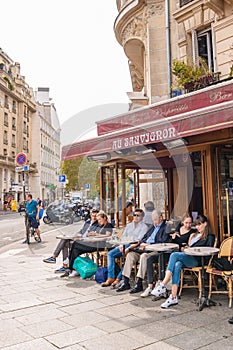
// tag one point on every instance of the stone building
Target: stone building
(30, 127)
(153, 33)
(177, 139)
(46, 147)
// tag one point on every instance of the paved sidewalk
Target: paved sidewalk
(39, 310)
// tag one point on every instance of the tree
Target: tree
(79, 172)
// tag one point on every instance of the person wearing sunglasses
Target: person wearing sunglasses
(135, 230)
(159, 232)
(179, 260)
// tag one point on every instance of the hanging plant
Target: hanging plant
(191, 77)
(231, 72)
(10, 85)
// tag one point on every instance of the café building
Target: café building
(177, 152)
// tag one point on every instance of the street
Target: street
(12, 228)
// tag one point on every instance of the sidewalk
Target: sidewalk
(39, 310)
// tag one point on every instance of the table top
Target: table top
(94, 238)
(67, 237)
(121, 241)
(161, 247)
(201, 251)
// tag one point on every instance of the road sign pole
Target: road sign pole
(23, 180)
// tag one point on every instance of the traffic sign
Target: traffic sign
(18, 169)
(21, 159)
(87, 187)
(62, 178)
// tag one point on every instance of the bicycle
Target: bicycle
(30, 231)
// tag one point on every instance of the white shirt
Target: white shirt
(135, 232)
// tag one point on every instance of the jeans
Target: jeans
(112, 254)
(63, 246)
(177, 262)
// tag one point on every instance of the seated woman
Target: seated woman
(181, 237)
(103, 230)
(179, 260)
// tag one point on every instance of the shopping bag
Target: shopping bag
(85, 266)
(101, 274)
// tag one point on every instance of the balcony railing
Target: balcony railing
(184, 2)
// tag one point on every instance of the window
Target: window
(13, 154)
(13, 140)
(24, 143)
(5, 119)
(5, 140)
(6, 104)
(184, 2)
(203, 47)
(5, 152)
(25, 127)
(13, 123)
(14, 106)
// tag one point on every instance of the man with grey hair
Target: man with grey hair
(157, 233)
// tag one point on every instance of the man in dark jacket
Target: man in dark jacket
(157, 233)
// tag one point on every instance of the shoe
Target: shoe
(62, 270)
(25, 241)
(50, 260)
(65, 274)
(123, 287)
(146, 293)
(39, 240)
(230, 320)
(171, 301)
(73, 274)
(159, 291)
(117, 284)
(108, 283)
(136, 289)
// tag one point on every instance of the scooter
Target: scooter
(60, 213)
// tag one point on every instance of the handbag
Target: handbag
(222, 264)
(101, 274)
(85, 266)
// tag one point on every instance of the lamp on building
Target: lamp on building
(175, 143)
(99, 157)
(144, 150)
(124, 151)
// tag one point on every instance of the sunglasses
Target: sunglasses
(138, 215)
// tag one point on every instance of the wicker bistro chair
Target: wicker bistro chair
(195, 275)
(226, 250)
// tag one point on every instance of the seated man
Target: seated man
(158, 233)
(134, 230)
(103, 230)
(64, 244)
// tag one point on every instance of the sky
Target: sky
(70, 47)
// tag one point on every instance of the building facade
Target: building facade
(46, 147)
(30, 126)
(178, 139)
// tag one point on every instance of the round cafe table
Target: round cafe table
(202, 252)
(161, 248)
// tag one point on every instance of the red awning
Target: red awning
(211, 96)
(164, 129)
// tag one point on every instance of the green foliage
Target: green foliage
(10, 85)
(79, 172)
(189, 73)
(231, 72)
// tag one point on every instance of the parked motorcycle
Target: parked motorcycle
(58, 212)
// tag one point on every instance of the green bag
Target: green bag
(85, 266)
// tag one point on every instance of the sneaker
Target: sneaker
(62, 270)
(40, 241)
(160, 290)
(169, 302)
(50, 260)
(146, 293)
(73, 274)
(25, 241)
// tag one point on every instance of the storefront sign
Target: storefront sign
(144, 138)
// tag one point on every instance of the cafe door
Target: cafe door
(224, 162)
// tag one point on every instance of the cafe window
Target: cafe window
(202, 45)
